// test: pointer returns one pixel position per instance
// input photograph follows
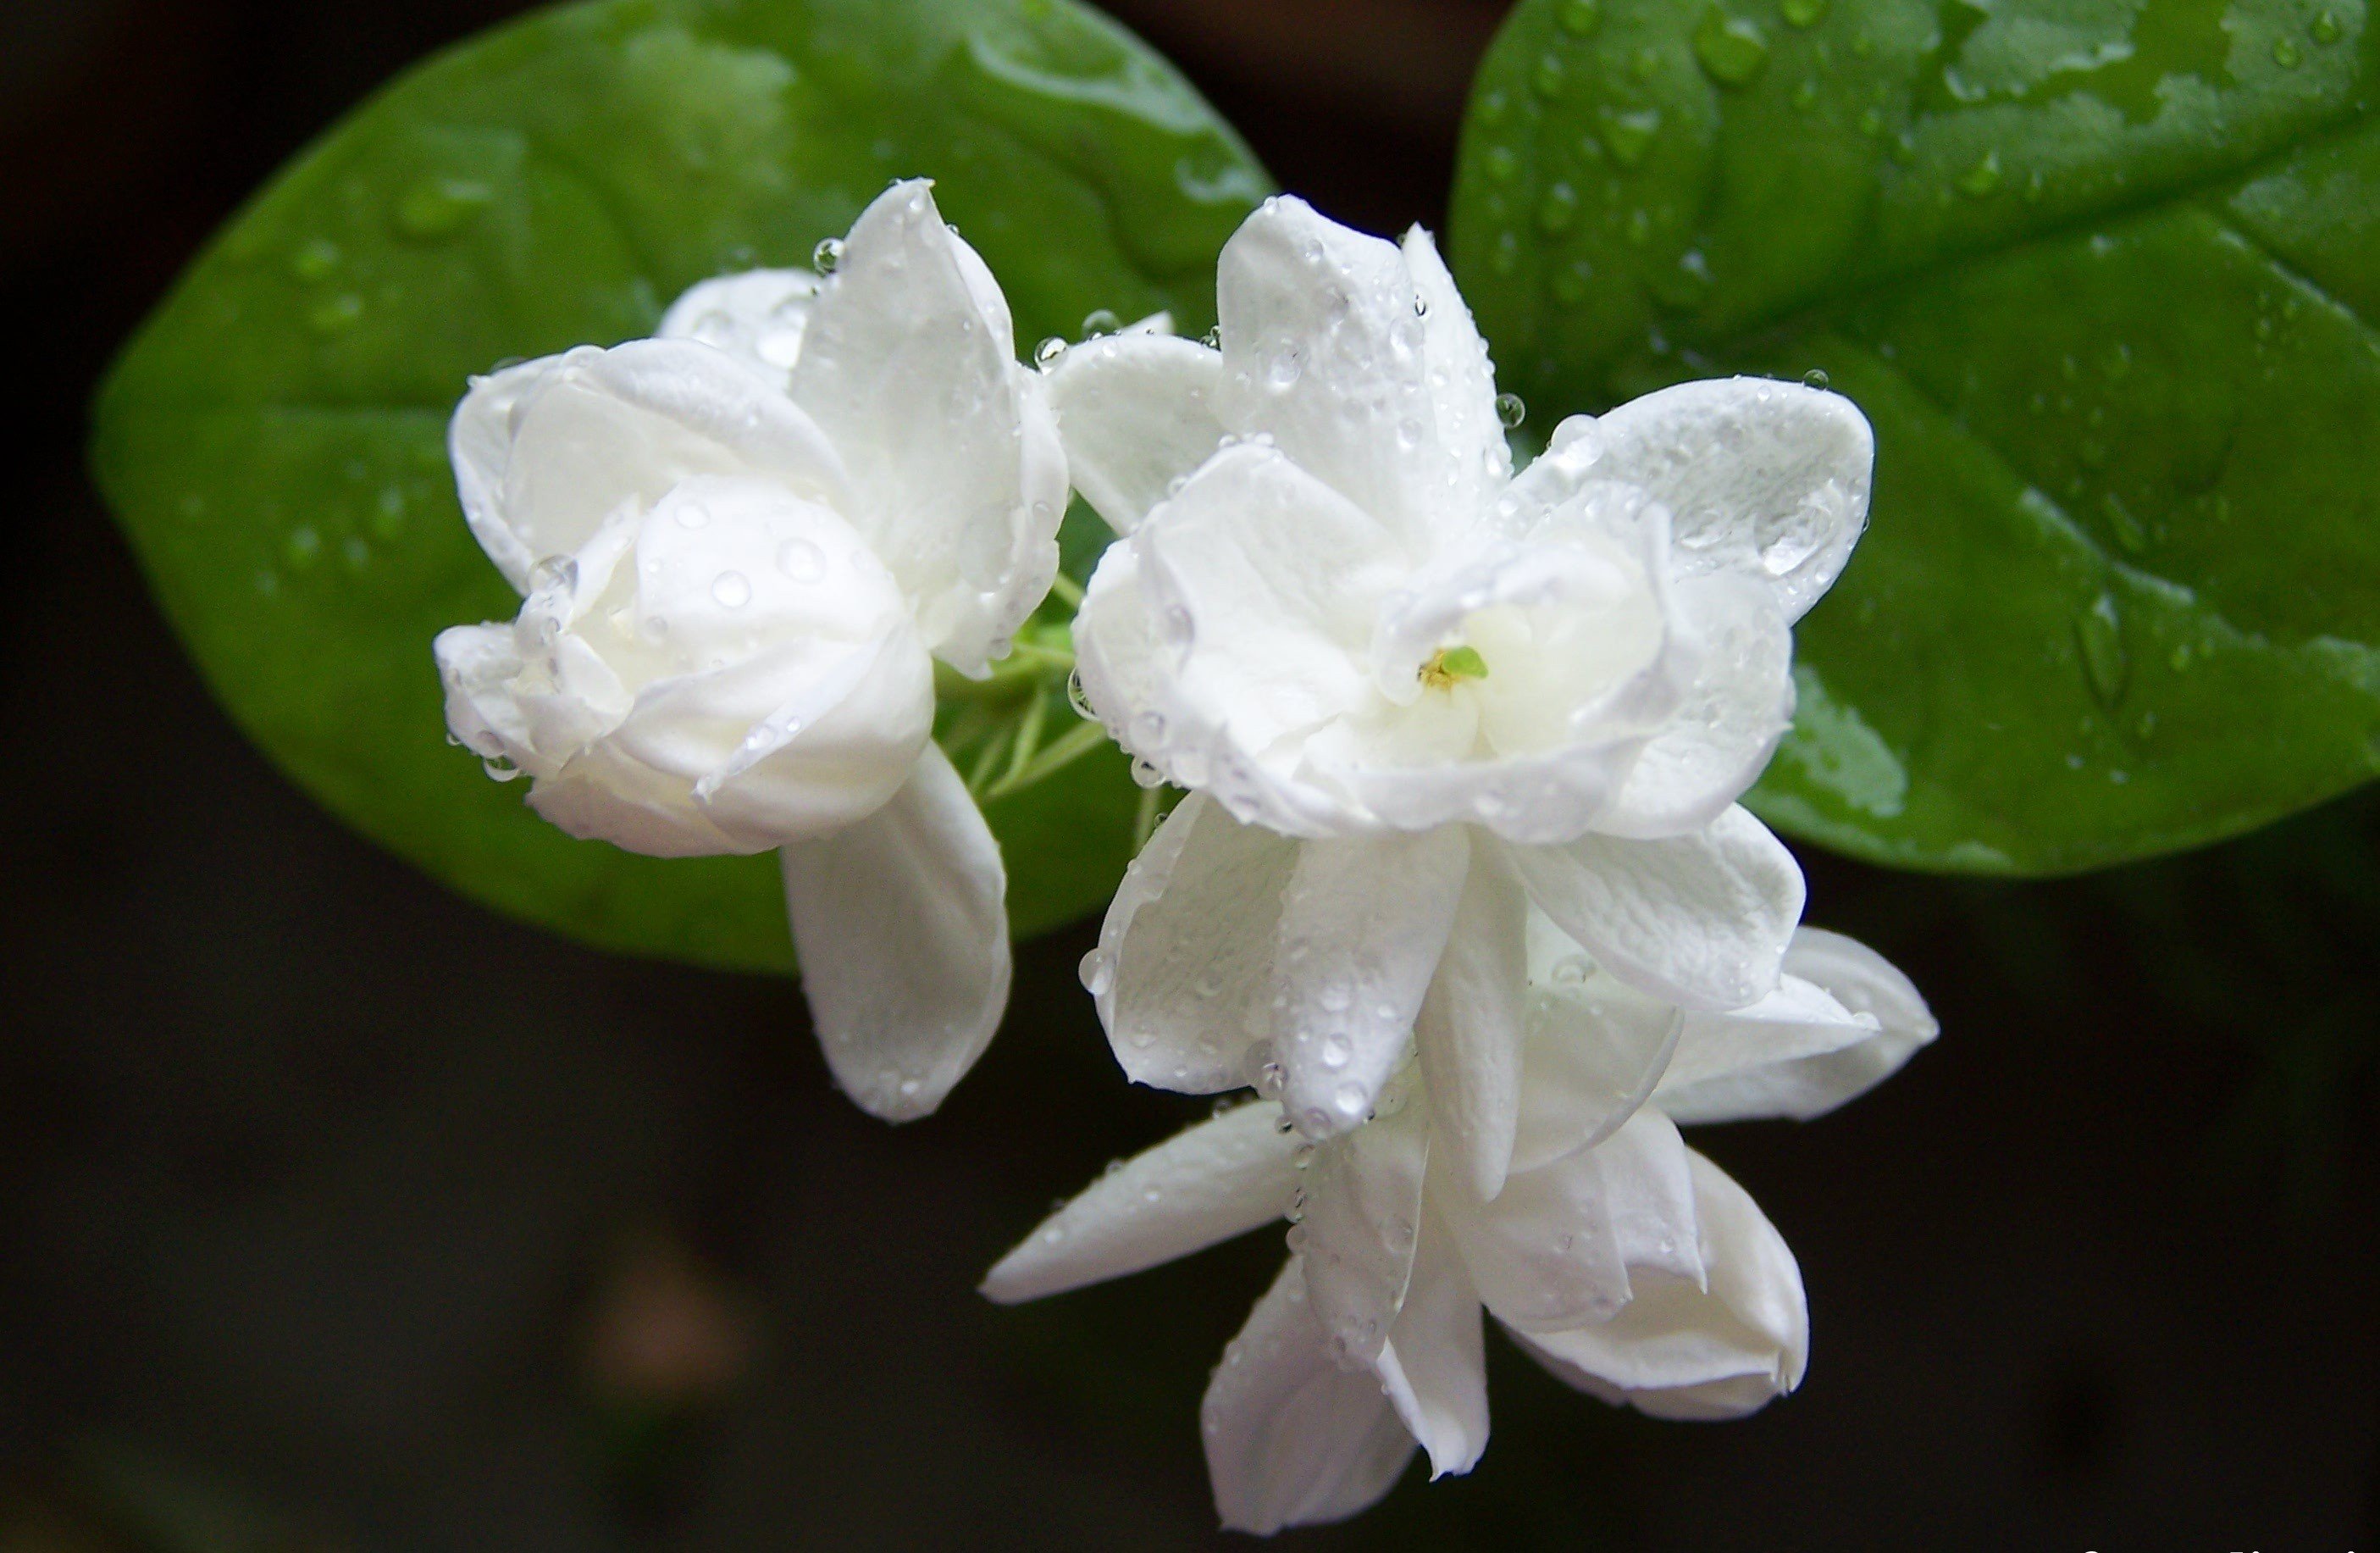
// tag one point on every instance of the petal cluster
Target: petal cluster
(741, 546)
(1335, 608)
(1627, 1264)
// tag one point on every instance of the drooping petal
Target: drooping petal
(1715, 744)
(1362, 1217)
(1265, 583)
(1469, 1029)
(1843, 1020)
(477, 665)
(1766, 479)
(1558, 1246)
(1202, 1186)
(1362, 923)
(759, 317)
(909, 365)
(1137, 414)
(1700, 920)
(1683, 1352)
(1187, 947)
(545, 453)
(1433, 1365)
(1291, 1438)
(901, 925)
(1325, 352)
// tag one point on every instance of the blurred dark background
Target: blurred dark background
(336, 1214)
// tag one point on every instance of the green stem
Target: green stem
(1066, 588)
(1056, 755)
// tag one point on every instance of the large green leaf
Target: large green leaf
(2099, 271)
(274, 440)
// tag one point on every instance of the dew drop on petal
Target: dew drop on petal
(692, 515)
(1510, 411)
(827, 257)
(1351, 1099)
(1098, 973)
(730, 589)
(801, 560)
(553, 574)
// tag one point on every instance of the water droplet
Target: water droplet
(501, 769)
(801, 560)
(1502, 163)
(1335, 1052)
(1731, 49)
(1176, 627)
(1572, 970)
(437, 208)
(2099, 637)
(2325, 29)
(1805, 96)
(337, 314)
(1285, 368)
(1805, 13)
(1351, 1099)
(553, 574)
(1047, 353)
(2284, 54)
(1148, 729)
(1628, 136)
(1213, 340)
(692, 515)
(1511, 410)
(315, 259)
(1145, 775)
(827, 257)
(1580, 18)
(1551, 77)
(302, 550)
(1100, 321)
(731, 590)
(1097, 972)
(1816, 378)
(1078, 699)
(1983, 178)
(1557, 209)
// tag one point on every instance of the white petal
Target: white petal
(1596, 1050)
(1469, 1028)
(1363, 924)
(1291, 1438)
(1558, 1246)
(1325, 350)
(1807, 1048)
(759, 317)
(1432, 1365)
(1765, 479)
(1687, 1353)
(1469, 428)
(477, 663)
(1714, 746)
(902, 927)
(1202, 1186)
(1187, 947)
(909, 363)
(545, 453)
(1700, 920)
(1266, 584)
(1363, 1215)
(1136, 414)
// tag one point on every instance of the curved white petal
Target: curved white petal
(1715, 744)
(1291, 1438)
(1842, 1022)
(1136, 412)
(1363, 1216)
(1596, 1050)
(909, 365)
(1558, 1247)
(901, 925)
(1765, 479)
(1433, 1365)
(759, 317)
(1700, 920)
(1199, 1188)
(1264, 584)
(545, 453)
(1362, 923)
(1679, 1351)
(1461, 376)
(1187, 947)
(477, 665)
(1326, 351)
(1469, 1028)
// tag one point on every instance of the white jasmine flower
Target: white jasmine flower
(741, 546)
(1337, 617)
(1629, 1266)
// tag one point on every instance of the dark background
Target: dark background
(337, 1213)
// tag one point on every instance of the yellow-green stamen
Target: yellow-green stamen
(1450, 664)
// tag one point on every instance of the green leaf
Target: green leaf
(2102, 273)
(274, 439)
